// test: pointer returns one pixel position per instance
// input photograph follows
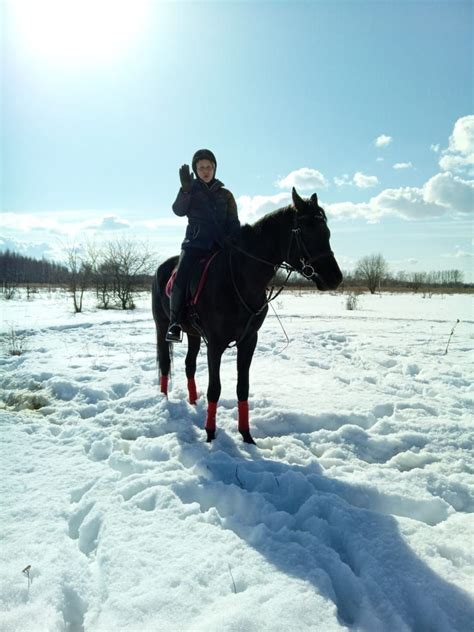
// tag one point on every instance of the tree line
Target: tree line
(373, 273)
(16, 269)
(118, 269)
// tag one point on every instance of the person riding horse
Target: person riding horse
(212, 222)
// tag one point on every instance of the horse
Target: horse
(233, 302)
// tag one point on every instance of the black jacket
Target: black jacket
(212, 215)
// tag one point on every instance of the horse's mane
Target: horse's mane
(254, 231)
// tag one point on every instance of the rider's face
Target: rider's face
(205, 170)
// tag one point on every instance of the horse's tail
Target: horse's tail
(164, 349)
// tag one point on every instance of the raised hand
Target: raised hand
(186, 178)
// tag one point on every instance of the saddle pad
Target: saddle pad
(169, 284)
(204, 263)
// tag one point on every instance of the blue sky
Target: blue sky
(367, 103)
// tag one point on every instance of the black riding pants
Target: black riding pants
(188, 260)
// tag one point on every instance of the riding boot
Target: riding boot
(174, 333)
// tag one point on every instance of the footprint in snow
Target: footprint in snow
(99, 450)
(77, 494)
(84, 526)
(89, 533)
(73, 608)
(77, 518)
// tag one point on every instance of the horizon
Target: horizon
(368, 104)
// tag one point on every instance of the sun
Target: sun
(78, 31)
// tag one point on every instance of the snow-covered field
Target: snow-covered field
(354, 511)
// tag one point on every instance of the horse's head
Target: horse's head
(309, 250)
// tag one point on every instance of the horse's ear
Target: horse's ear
(314, 200)
(297, 200)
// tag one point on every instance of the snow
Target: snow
(354, 511)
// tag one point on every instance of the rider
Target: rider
(212, 222)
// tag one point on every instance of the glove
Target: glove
(186, 178)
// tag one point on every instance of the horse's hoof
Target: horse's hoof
(247, 437)
(211, 435)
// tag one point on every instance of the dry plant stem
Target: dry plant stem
(26, 571)
(232, 577)
(451, 335)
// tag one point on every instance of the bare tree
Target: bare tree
(127, 262)
(79, 274)
(102, 274)
(372, 270)
(457, 277)
(417, 280)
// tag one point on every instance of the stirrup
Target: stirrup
(174, 333)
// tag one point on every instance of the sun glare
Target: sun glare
(77, 30)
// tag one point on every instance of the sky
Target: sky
(369, 104)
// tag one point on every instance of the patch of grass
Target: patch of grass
(14, 343)
(351, 301)
(25, 400)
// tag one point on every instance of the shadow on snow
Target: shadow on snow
(330, 533)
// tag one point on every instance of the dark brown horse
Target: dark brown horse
(233, 303)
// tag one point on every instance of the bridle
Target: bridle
(306, 260)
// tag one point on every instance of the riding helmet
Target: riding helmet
(203, 154)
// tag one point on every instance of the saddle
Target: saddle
(196, 281)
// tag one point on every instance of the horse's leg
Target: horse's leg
(245, 350)
(194, 342)
(164, 359)
(214, 355)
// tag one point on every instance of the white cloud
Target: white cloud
(25, 222)
(406, 202)
(365, 182)
(29, 249)
(402, 165)
(435, 148)
(252, 208)
(344, 180)
(352, 210)
(450, 191)
(457, 163)
(380, 159)
(303, 179)
(458, 253)
(459, 156)
(67, 223)
(383, 140)
(442, 194)
(359, 179)
(111, 222)
(403, 262)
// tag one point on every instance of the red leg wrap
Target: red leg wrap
(243, 415)
(164, 384)
(211, 415)
(192, 391)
